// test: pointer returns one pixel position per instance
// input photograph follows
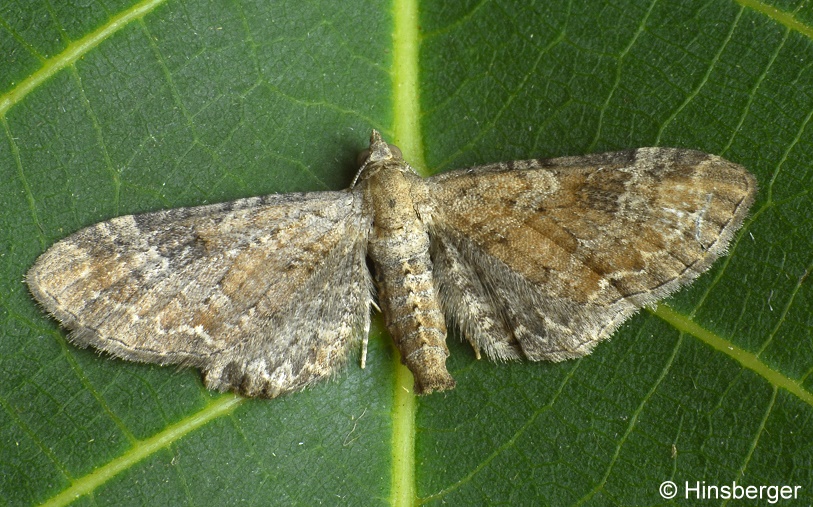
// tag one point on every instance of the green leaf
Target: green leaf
(124, 107)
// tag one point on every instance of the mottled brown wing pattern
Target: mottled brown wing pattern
(537, 259)
(266, 295)
(542, 259)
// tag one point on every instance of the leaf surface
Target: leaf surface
(124, 107)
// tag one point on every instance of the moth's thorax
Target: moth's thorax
(394, 196)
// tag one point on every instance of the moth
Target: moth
(533, 259)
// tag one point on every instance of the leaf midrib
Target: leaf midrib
(406, 107)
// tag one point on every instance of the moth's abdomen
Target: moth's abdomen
(399, 249)
(412, 312)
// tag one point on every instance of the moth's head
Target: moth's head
(378, 155)
(378, 151)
